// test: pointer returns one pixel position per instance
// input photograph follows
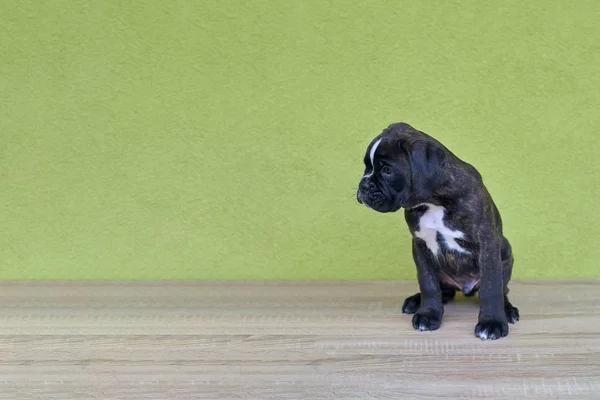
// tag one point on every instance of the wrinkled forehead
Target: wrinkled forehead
(382, 147)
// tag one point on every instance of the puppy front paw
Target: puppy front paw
(491, 329)
(428, 320)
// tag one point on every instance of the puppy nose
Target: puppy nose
(365, 185)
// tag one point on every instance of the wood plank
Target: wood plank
(288, 340)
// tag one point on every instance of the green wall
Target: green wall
(224, 140)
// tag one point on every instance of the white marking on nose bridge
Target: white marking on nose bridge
(372, 155)
(432, 222)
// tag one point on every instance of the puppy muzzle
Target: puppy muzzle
(372, 196)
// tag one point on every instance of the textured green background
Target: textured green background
(224, 139)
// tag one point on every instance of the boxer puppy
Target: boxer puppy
(457, 238)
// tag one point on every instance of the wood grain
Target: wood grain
(288, 340)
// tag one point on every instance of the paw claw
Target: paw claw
(426, 321)
(491, 330)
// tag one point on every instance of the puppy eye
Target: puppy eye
(386, 170)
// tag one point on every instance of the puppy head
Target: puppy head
(403, 168)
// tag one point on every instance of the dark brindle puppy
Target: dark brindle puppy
(457, 242)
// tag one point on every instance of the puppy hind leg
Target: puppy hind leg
(412, 303)
(448, 294)
(512, 312)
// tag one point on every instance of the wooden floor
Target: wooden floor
(288, 341)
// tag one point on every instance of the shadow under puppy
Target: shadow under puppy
(457, 239)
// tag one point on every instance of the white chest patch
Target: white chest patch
(431, 223)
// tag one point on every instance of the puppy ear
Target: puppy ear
(428, 162)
